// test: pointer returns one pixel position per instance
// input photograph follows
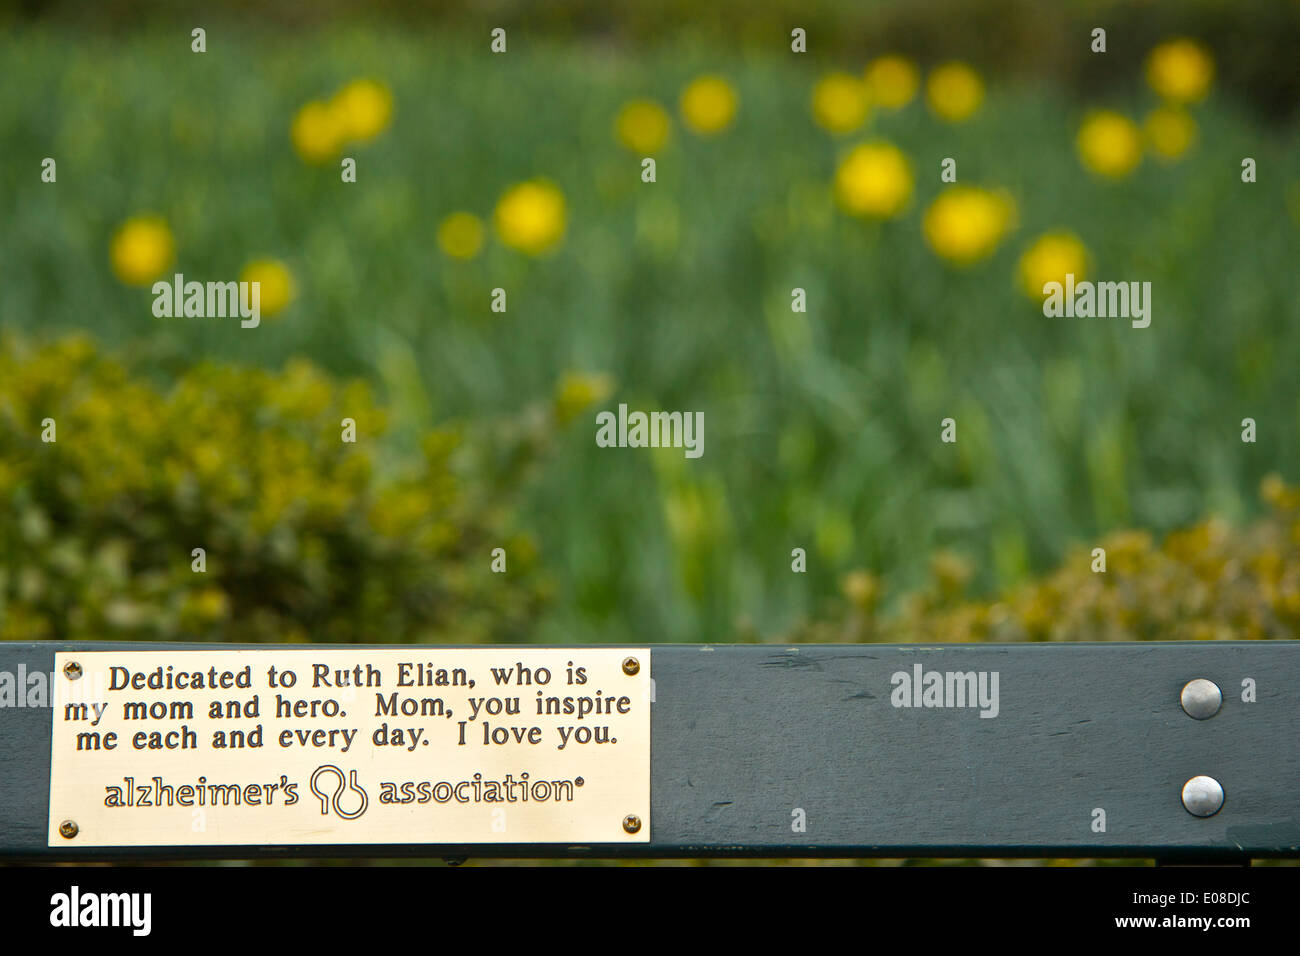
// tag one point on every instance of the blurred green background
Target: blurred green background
(477, 428)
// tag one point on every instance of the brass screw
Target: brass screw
(73, 671)
(68, 829)
(631, 666)
(631, 823)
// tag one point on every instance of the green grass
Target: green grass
(821, 430)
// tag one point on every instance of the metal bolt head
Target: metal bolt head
(1202, 796)
(1201, 698)
(72, 670)
(632, 823)
(631, 666)
(68, 829)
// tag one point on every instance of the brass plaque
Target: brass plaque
(386, 746)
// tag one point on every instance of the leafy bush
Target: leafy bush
(303, 539)
(1208, 582)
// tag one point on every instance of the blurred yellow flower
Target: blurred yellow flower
(839, 102)
(965, 223)
(954, 92)
(642, 126)
(400, 508)
(141, 249)
(1109, 144)
(317, 132)
(874, 180)
(951, 572)
(208, 604)
(363, 109)
(708, 104)
(1180, 70)
(1052, 256)
(461, 235)
(578, 390)
(1170, 131)
(861, 588)
(531, 216)
(1277, 494)
(892, 81)
(275, 285)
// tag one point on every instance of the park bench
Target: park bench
(1173, 751)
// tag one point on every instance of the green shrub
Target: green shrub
(1208, 582)
(306, 537)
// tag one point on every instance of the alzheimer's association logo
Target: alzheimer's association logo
(342, 792)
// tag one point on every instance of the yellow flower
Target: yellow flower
(208, 604)
(965, 223)
(1109, 144)
(1170, 131)
(1051, 257)
(642, 126)
(874, 180)
(862, 588)
(1278, 494)
(461, 235)
(141, 250)
(531, 216)
(954, 92)
(1180, 70)
(577, 390)
(275, 285)
(892, 81)
(708, 104)
(951, 572)
(363, 109)
(317, 132)
(839, 102)
(400, 508)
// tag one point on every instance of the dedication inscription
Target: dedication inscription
(361, 745)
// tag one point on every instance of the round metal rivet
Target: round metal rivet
(632, 823)
(72, 670)
(1201, 698)
(1202, 796)
(68, 829)
(631, 666)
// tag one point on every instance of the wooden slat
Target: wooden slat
(744, 737)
